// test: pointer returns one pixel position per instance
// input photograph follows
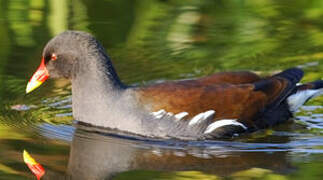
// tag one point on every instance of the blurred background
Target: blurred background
(154, 40)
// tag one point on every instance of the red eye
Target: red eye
(53, 57)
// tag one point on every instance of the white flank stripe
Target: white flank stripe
(170, 114)
(223, 122)
(209, 113)
(196, 118)
(159, 114)
(201, 117)
(181, 115)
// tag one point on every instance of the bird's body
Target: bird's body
(215, 106)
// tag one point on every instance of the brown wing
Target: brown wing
(230, 101)
(226, 99)
(241, 77)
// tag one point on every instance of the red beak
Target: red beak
(38, 78)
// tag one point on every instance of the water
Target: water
(149, 41)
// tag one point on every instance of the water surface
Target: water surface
(151, 41)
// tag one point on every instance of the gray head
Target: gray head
(65, 49)
(68, 50)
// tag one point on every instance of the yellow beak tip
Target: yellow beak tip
(28, 159)
(27, 91)
(32, 85)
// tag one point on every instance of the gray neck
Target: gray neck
(98, 96)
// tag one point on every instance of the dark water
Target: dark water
(152, 40)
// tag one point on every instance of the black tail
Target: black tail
(292, 75)
(317, 84)
(277, 111)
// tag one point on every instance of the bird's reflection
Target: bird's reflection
(95, 154)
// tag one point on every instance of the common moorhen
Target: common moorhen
(221, 105)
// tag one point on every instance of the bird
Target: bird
(221, 105)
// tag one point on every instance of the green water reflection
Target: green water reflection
(151, 40)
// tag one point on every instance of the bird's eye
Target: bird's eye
(53, 57)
